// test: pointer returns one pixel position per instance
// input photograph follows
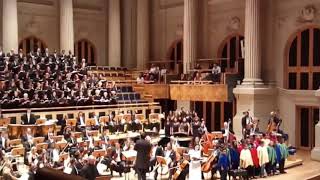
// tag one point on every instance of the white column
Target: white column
(66, 26)
(142, 33)
(189, 34)
(315, 153)
(252, 73)
(10, 25)
(114, 38)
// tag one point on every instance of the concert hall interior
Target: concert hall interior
(159, 89)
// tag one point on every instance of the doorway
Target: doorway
(307, 118)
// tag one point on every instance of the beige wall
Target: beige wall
(41, 19)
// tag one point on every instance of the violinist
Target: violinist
(116, 163)
(170, 156)
(33, 155)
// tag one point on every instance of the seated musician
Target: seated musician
(80, 122)
(73, 144)
(96, 121)
(170, 156)
(4, 142)
(33, 155)
(28, 118)
(105, 137)
(116, 163)
(274, 123)
(27, 139)
(90, 171)
(156, 151)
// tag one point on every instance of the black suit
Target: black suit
(32, 120)
(143, 149)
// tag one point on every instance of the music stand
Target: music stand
(4, 122)
(162, 161)
(90, 122)
(63, 157)
(76, 134)
(98, 143)
(127, 117)
(118, 117)
(140, 117)
(15, 142)
(153, 117)
(40, 121)
(60, 145)
(42, 146)
(71, 122)
(129, 155)
(93, 133)
(99, 153)
(104, 119)
(17, 152)
(84, 143)
(57, 138)
(38, 140)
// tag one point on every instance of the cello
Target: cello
(206, 167)
(181, 167)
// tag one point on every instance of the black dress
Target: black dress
(167, 128)
(195, 129)
(175, 127)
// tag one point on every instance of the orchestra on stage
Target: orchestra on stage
(120, 144)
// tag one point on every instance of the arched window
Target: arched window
(302, 64)
(230, 49)
(32, 43)
(84, 49)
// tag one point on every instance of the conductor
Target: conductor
(143, 148)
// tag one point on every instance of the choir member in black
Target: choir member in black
(175, 126)
(168, 128)
(184, 126)
(195, 127)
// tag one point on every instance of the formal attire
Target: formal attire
(143, 148)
